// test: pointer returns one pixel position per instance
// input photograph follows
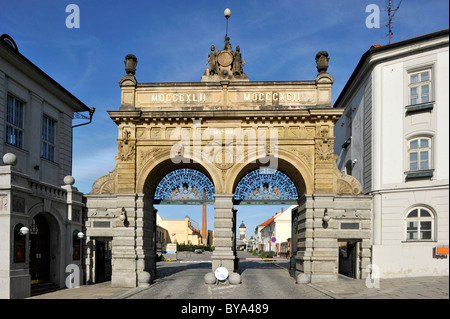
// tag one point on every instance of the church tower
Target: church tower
(242, 229)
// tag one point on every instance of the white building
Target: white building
(275, 231)
(40, 210)
(394, 138)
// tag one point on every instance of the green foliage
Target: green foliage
(265, 254)
(186, 247)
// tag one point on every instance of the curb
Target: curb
(326, 292)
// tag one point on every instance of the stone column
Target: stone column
(223, 254)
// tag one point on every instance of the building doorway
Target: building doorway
(39, 250)
(347, 258)
(103, 269)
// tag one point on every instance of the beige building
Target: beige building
(180, 231)
(40, 209)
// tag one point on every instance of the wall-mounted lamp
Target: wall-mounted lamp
(24, 231)
(80, 235)
(325, 217)
(123, 215)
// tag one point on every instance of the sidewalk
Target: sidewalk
(97, 291)
(396, 288)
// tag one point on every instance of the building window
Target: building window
(419, 154)
(420, 87)
(48, 138)
(14, 122)
(419, 224)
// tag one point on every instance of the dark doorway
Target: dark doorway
(102, 259)
(347, 258)
(39, 250)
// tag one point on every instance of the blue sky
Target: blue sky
(171, 40)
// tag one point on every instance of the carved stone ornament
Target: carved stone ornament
(225, 58)
(130, 64)
(224, 160)
(324, 150)
(225, 64)
(105, 184)
(322, 61)
(126, 147)
(347, 184)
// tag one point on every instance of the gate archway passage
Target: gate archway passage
(241, 141)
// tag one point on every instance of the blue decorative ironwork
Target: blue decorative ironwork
(266, 184)
(184, 184)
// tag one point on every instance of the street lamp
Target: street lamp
(24, 231)
(227, 14)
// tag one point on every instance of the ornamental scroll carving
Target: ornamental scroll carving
(347, 184)
(105, 184)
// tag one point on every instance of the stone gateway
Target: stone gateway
(288, 132)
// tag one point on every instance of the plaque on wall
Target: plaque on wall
(349, 225)
(101, 224)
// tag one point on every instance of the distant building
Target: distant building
(394, 138)
(179, 231)
(40, 209)
(275, 233)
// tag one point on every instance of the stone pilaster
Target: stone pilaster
(223, 254)
(124, 257)
(145, 236)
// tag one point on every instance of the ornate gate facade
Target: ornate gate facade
(245, 141)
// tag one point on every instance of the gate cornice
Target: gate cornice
(147, 116)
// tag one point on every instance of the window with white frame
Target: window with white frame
(48, 138)
(419, 224)
(14, 122)
(419, 154)
(420, 87)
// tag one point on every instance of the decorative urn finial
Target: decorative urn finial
(130, 64)
(322, 61)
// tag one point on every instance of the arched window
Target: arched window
(184, 184)
(419, 152)
(419, 224)
(266, 184)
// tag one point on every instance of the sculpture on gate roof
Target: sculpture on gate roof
(225, 64)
